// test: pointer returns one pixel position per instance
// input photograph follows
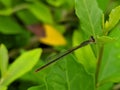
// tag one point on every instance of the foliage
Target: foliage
(54, 25)
(22, 65)
(62, 71)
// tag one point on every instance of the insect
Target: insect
(84, 43)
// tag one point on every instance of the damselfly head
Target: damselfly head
(92, 39)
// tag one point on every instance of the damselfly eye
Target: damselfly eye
(92, 39)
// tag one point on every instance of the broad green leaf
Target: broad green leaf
(90, 16)
(70, 3)
(56, 3)
(84, 55)
(107, 86)
(3, 87)
(66, 4)
(114, 17)
(41, 12)
(3, 59)
(110, 71)
(41, 87)
(22, 65)
(106, 39)
(68, 74)
(27, 17)
(103, 4)
(7, 3)
(9, 26)
(6, 12)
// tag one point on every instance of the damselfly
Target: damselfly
(91, 40)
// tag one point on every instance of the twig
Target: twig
(99, 61)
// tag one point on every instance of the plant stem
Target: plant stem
(20, 7)
(99, 64)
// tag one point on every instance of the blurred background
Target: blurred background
(48, 24)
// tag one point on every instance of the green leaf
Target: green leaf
(27, 17)
(9, 26)
(114, 17)
(6, 12)
(106, 39)
(22, 65)
(41, 87)
(67, 74)
(3, 87)
(70, 4)
(102, 5)
(84, 55)
(3, 59)
(110, 71)
(56, 3)
(7, 3)
(90, 16)
(41, 12)
(107, 86)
